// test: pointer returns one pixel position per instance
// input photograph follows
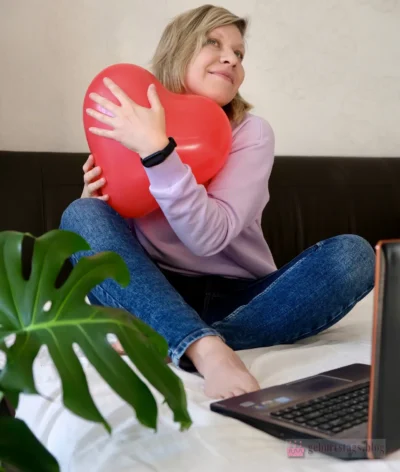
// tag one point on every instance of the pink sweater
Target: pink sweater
(218, 230)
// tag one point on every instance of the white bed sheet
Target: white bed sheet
(213, 443)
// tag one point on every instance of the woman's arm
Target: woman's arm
(207, 220)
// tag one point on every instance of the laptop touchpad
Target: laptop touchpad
(316, 384)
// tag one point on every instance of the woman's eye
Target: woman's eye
(212, 41)
(216, 43)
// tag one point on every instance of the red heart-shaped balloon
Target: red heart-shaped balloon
(199, 126)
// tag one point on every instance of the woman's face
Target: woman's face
(217, 71)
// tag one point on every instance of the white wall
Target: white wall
(325, 73)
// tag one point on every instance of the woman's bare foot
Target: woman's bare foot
(224, 373)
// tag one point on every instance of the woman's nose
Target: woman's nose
(229, 57)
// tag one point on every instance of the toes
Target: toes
(118, 348)
(235, 392)
(239, 391)
(226, 395)
(253, 386)
(216, 395)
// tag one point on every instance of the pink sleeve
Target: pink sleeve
(207, 220)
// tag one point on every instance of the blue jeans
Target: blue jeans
(306, 296)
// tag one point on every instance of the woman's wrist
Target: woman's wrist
(157, 144)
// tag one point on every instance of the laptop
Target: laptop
(352, 412)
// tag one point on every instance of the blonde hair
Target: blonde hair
(183, 38)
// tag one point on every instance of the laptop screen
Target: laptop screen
(385, 371)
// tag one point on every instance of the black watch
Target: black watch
(159, 156)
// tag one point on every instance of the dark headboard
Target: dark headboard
(312, 198)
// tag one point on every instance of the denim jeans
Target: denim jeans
(304, 297)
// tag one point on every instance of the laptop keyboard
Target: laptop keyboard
(331, 413)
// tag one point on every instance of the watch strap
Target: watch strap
(160, 156)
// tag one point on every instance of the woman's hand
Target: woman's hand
(91, 186)
(138, 128)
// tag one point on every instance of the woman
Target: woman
(202, 273)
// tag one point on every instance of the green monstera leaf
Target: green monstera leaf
(38, 312)
(20, 448)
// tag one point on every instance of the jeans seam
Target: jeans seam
(236, 312)
(107, 295)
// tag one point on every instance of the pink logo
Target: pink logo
(295, 450)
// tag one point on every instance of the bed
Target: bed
(214, 442)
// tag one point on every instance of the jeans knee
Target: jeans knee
(79, 210)
(70, 213)
(356, 260)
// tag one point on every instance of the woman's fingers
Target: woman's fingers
(107, 105)
(96, 185)
(117, 92)
(100, 116)
(88, 164)
(91, 174)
